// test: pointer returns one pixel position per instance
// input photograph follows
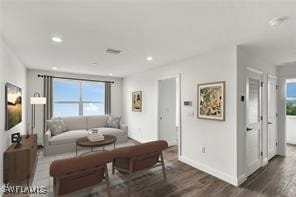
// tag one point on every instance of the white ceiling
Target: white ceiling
(166, 30)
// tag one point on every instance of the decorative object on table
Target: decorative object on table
(56, 126)
(94, 130)
(211, 101)
(94, 136)
(137, 101)
(113, 122)
(13, 109)
(35, 100)
(16, 138)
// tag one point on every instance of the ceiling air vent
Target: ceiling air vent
(113, 51)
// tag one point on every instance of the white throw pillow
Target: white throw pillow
(113, 122)
(56, 126)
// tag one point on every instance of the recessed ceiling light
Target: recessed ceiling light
(57, 39)
(54, 68)
(94, 64)
(278, 21)
(113, 51)
(149, 58)
(110, 74)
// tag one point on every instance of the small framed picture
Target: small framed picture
(137, 101)
(211, 101)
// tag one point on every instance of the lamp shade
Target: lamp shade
(38, 100)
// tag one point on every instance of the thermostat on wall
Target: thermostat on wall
(188, 103)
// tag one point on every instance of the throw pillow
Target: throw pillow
(56, 126)
(113, 122)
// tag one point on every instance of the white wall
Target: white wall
(246, 58)
(218, 137)
(291, 129)
(35, 84)
(12, 71)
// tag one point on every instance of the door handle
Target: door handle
(249, 129)
(269, 122)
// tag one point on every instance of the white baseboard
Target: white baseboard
(214, 172)
(265, 161)
(291, 141)
(241, 179)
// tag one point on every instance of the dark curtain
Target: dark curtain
(107, 98)
(47, 92)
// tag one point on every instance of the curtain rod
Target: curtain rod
(70, 78)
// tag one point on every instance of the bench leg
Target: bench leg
(163, 167)
(113, 166)
(130, 173)
(107, 181)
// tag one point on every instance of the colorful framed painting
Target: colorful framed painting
(137, 101)
(211, 101)
(13, 98)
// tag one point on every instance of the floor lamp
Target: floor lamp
(35, 100)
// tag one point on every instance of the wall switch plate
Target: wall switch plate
(187, 103)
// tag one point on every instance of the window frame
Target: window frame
(80, 102)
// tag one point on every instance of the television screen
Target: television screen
(13, 105)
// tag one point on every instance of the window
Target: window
(78, 98)
(291, 98)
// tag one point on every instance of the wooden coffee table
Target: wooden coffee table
(85, 142)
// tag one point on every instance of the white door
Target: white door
(253, 120)
(167, 111)
(272, 117)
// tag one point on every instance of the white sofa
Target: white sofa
(78, 127)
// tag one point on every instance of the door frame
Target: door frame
(258, 72)
(271, 76)
(178, 109)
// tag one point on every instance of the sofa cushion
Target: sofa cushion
(56, 126)
(96, 121)
(75, 123)
(68, 137)
(111, 131)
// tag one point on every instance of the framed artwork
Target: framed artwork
(13, 108)
(211, 101)
(137, 101)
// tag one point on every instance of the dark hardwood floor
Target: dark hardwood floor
(278, 178)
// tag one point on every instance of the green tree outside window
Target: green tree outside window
(291, 108)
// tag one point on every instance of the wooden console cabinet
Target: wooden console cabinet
(18, 163)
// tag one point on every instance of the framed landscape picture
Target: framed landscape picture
(211, 101)
(13, 106)
(137, 101)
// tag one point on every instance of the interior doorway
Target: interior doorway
(253, 131)
(272, 126)
(169, 111)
